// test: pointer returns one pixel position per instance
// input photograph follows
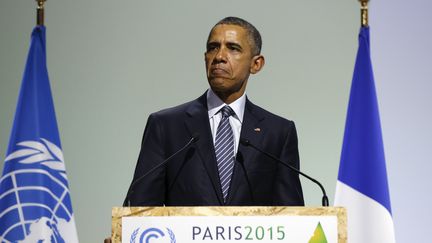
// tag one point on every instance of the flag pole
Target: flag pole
(364, 13)
(40, 12)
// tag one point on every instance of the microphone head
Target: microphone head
(244, 141)
(195, 137)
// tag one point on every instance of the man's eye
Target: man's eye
(235, 48)
(211, 48)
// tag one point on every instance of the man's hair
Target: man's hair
(253, 34)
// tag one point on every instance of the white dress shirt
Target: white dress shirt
(214, 104)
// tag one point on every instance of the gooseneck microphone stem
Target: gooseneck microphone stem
(325, 201)
(195, 137)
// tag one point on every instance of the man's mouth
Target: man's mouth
(218, 71)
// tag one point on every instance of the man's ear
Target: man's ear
(257, 64)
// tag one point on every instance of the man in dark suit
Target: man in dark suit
(217, 169)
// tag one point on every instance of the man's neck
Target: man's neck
(231, 97)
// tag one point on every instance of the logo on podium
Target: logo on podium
(140, 235)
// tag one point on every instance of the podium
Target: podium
(229, 224)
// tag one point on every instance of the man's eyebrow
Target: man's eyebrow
(213, 43)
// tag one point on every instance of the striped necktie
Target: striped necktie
(224, 148)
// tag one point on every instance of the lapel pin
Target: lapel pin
(257, 129)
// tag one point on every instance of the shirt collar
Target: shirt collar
(214, 104)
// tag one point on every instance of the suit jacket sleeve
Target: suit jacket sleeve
(288, 189)
(149, 190)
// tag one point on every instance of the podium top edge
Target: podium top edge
(226, 211)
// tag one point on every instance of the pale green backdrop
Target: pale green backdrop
(112, 63)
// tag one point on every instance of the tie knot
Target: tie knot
(227, 111)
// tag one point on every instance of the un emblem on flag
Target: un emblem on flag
(35, 204)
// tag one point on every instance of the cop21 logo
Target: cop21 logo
(151, 233)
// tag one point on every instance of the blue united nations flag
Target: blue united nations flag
(35, 204)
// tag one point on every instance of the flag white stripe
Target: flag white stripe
(368, 220)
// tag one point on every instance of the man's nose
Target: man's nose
(221, 55)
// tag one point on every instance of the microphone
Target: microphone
(195, 137)
(247, 143)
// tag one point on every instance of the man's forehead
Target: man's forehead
(228, 31)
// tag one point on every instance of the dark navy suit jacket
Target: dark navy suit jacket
(191, 178)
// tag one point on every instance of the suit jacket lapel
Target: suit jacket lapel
(251, 131)
(198, 122)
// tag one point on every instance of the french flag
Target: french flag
(362, 185)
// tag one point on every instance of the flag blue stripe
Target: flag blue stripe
(362, 165)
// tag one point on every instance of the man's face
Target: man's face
(229, 60)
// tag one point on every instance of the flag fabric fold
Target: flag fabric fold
(35, 203)
(362, 185)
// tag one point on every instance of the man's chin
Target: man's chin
(218, 84)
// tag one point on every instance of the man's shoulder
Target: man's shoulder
(182, 109)
(267, 115)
